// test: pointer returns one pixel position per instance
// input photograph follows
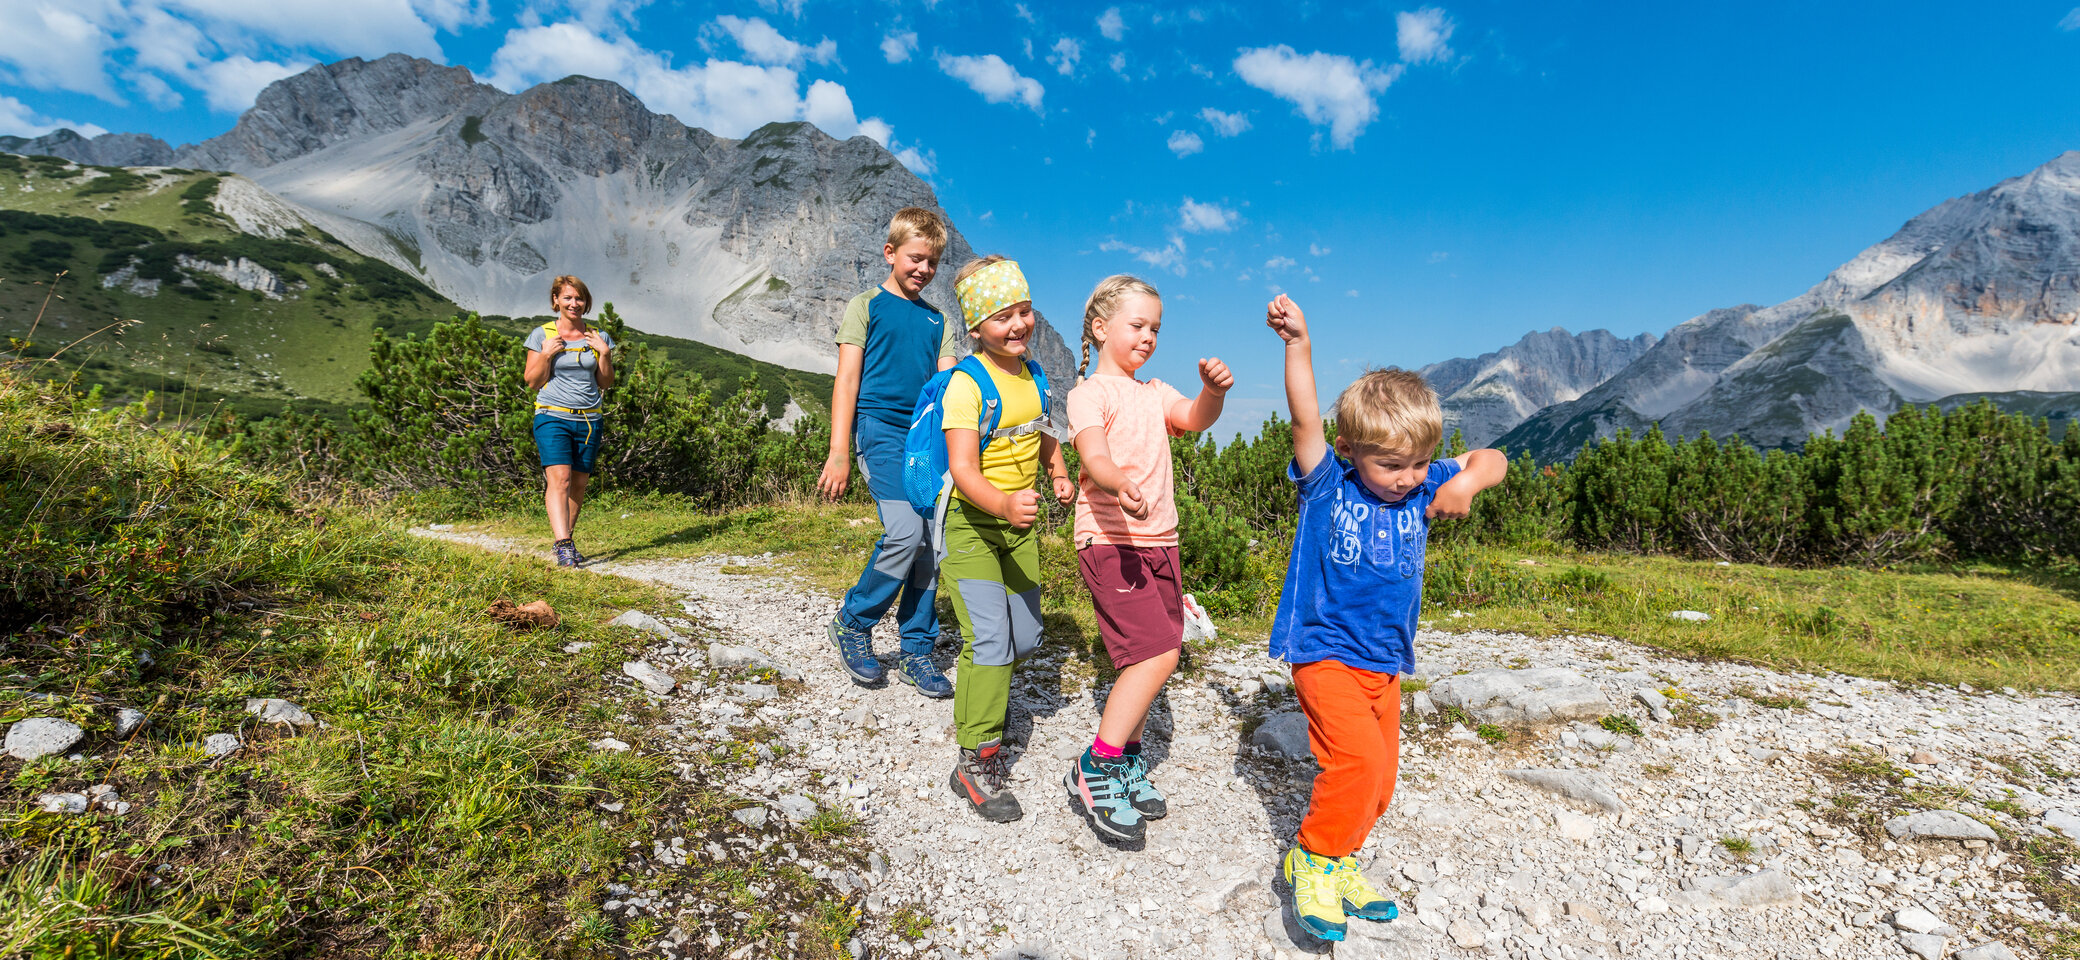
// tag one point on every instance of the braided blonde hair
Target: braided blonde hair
(1105, 299)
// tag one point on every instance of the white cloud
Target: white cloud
(898, 47)
(1439, 256)
(50, 47)
(1225, 124)
(1118, 63)
(1316, 250)
(1111, 24)
(231, 84)
(451, 15)
(1350, 293)
(1327, 89)
(1196, 217)
(764, 44)
(1067, 51)
(1184, 143)
(921, 162)
(997, 81)
(792, 8)
(1024, 13)
(1091, 138)
(1421, 35)
(370, 28)
(2071, 21)
(19, 120)
(1168, 257)
(157, 91)
(1280, 263)
(726, 97)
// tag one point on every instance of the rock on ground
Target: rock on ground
(271, 710)
(1939, 824)
(638, 620)
(654, 680)
(1574, 785)
(42, 736)
(1284, 735)
(1529, 696)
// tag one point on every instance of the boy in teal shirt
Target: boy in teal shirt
(889, 343)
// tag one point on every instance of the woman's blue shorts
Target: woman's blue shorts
(572, 443)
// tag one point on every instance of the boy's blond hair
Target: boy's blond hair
(919, 223)
(1104, 301)
(1390, 409)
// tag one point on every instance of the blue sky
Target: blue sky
(1428, 180)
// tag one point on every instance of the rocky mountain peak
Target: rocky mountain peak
(1484, 396)
(106, 150)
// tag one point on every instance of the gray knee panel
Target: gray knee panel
(989, 609)
(1024, 610)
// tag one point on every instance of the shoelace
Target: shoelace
(918, 665)
(1323, 888)
(994, 768)
(1352, 881)
(854, 645)
(1136, 779)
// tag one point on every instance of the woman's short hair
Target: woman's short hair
(556, 286)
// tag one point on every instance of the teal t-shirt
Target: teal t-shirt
(903, 340)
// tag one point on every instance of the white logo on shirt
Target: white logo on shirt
(1348, 518)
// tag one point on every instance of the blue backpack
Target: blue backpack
(926, 478)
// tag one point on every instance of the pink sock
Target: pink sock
(1103, 750)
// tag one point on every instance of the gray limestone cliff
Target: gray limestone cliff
(1485, 396)
(106, 150)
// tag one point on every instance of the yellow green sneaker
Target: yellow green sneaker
(1317, 893)
(1360, 898)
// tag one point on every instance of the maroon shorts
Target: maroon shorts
(1139, 598)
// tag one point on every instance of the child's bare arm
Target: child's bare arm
(1309, 446)
(837, 466)
(1057, 467)
(1199, 413)
(1096, 452)
(1478, 470)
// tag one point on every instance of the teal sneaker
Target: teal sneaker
(1096, 790)
(1148, 801)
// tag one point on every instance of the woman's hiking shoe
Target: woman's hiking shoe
(1097, 791)
(856, 653)
(979, 778)
(918, 670)
(1360, 898)
(566, 554)
(1317, 893)
(1147, 800)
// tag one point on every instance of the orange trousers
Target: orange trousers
(1354, 729)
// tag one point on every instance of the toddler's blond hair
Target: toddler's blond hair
(1104, 300)
(1390, 409)
(917, 222)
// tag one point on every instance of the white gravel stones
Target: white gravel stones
(638, 620)
(41, 736)
(1530, 696)
(1574, 826)
(1694, 616)
(1284, 735)
(1940, 825)
(1809, 886)
(129, 721)
(271, 710)
(1917, 920)
(1924, 946)
(1986, 951)
(654, 680)
(756, 691)
(219, 744)
(62, 803)
(610, 745)
(1580, 785)
(795, 807)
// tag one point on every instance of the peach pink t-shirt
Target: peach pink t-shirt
(1136, 418)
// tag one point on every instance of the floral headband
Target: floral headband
(990, 289)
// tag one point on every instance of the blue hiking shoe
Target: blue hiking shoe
(1147, 800)
(1096, 791)
(918, 670)
(856, 653)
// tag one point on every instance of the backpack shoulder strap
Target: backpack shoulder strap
(1040, 381)
(992, 401)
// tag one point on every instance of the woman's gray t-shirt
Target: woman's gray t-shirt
(573, 376)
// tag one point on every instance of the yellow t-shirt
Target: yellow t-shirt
(1010, 464)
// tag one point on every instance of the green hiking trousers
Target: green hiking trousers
(992, 571)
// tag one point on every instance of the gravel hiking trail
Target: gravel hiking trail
(1638, 805)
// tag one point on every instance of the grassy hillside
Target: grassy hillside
(200, 340)
(449, 803)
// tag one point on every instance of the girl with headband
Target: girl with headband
(992, 553)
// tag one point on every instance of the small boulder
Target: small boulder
(1650, 698)
(1422, 704)
(219, 744)
(654, 680)
(1691, 615)
(1924, 946)
(129, 721)
(1938, 825)
(610, 744)
(638, 620)
(41, 737)
(1748, 890)
(753, 817)
(1580, 785)
(2063, 821)
(1990, 950)
(1916, 920)
(1284, 735)
(795, 807)
(62, 803)
(1574, 826)
(271, 710)
(1532, 696)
